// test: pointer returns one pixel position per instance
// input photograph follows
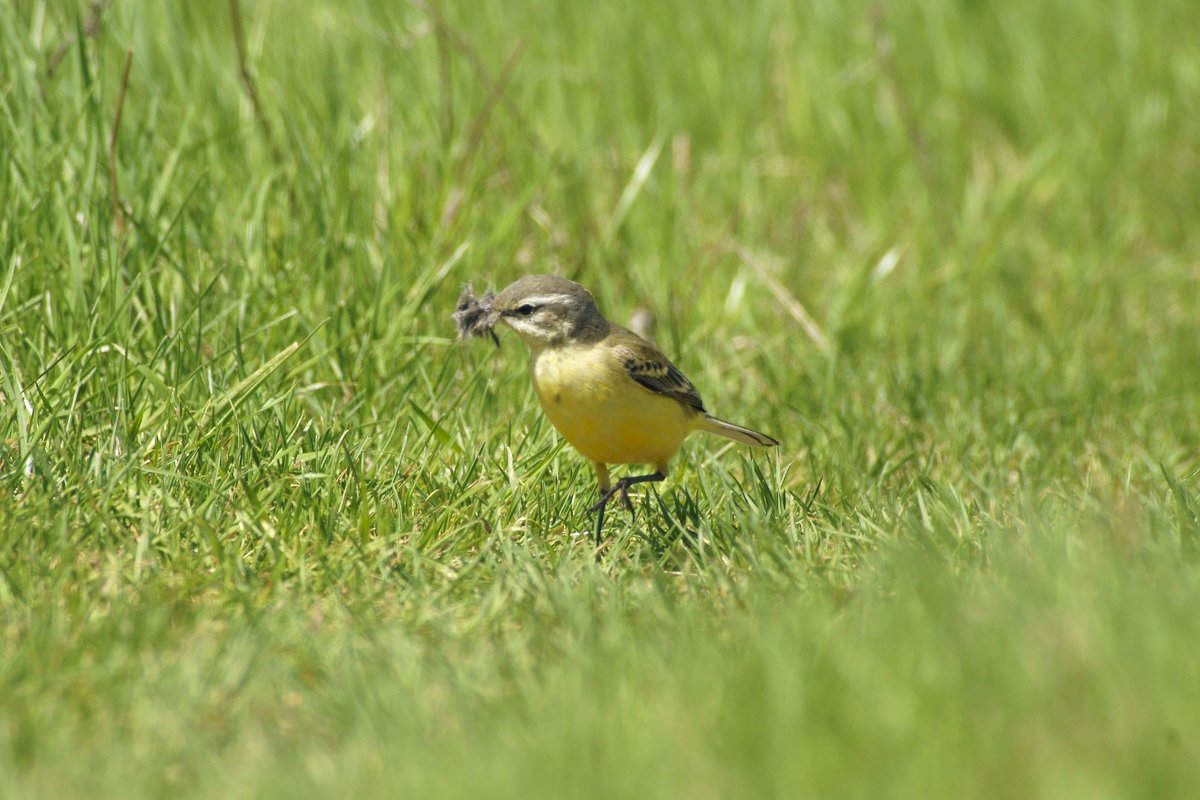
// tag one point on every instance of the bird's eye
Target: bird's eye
(526, 309)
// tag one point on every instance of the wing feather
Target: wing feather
(654, 371)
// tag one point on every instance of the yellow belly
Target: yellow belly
(605, 414)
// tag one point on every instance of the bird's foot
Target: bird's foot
(625, 501)
(621, 487)
(605, 496)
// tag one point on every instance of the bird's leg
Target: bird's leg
(605, 491)
(602, 476)
(599, 521)
(621, 487)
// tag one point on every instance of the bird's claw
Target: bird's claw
(625, 501)
(618, 488)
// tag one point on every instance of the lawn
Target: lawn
(269, 531)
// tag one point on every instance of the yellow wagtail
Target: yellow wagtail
(608, 391)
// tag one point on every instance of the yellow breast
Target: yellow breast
(602, 412)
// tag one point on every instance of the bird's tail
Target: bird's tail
(736, 432)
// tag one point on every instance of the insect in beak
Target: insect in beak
(475, 316)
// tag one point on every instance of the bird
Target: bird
(610, 393)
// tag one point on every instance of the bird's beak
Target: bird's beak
(491, 318)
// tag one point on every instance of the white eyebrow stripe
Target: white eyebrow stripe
(548, 299)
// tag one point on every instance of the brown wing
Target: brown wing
(652, 370)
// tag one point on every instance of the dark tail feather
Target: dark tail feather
(736, 432)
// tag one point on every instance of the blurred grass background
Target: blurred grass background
(268, 531)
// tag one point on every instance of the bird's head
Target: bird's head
(546, 311)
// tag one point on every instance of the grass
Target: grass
(269, 531)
